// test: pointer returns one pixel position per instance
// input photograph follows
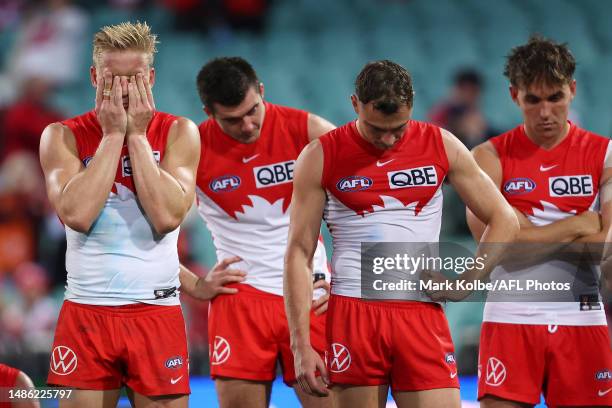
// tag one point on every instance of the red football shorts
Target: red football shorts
(248, 333)
(404, 344)
(103, 347)
(571, 365)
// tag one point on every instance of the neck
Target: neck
(547, 142)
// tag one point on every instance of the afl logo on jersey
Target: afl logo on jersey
(521, 185)
(354, 183)
(225, 183)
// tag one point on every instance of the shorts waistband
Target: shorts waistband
(133, 309)
(248, 290)
(391, 304)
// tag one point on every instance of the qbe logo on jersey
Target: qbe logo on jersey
(274, 174)
(571, 186)
(417, 177)
(126, 164)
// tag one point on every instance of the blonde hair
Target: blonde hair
(125, 36)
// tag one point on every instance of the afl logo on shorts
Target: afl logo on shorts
(340, 358)
(63, 361)
(571, 186)
(224, 184)
(220, 352)
(351, 184)
(87, 160)
(604, 375)
(174, 362)
(521, 185)
(496, 372)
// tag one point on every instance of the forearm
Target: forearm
(562, 231)
(83, 197)
(188, 280)
(297, 289)
(499, 235)
(160, 194)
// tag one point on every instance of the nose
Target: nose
(247, 125)
(124, 85)
(545, 110)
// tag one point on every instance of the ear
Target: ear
(93, 76)
(207, 111)
(261, 89)
(572, 86)
(152, 77)
(355, 103)
(514, 93)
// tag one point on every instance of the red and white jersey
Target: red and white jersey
(244, 192)
(380, 196)
(547, 186)
(121, 260)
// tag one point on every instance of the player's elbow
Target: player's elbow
(507, 220)
(77, 221)
(166, 224)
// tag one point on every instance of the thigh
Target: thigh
(580, 370)
(317, 340)
(244, 346)
(423, 352)
(493, 402)
(234, 393)
(358, 351)
(438, 398)
(359, 396)
(310, 401)
(91, 399)
(512, 362)
(83, 354)
(156, 360)
(167, 401)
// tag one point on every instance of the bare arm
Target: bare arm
(472, 184)
(307, 209)
(317, 126)
(78, 193)
(24, 382)
(213, 284)
(562, 231)
(167, 191)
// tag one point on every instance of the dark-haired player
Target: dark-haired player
(244, 186)
(561, 349)
(376, 344)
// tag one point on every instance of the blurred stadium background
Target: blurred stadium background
(307, 53)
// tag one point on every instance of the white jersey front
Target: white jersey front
(244, 194)
(547, 186)
(380, 196)
(121, 260)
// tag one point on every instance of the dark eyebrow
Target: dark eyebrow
(241, 116)
(386, 130)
